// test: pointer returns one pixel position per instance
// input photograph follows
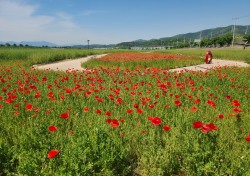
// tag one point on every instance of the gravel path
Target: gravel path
(75, 64)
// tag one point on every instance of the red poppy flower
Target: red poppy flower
(235, 103)
(8, 101)
(52, 128)
(197, 124)
(247, 138)
(119, 100)
(37, 95)
(177, 102)
(129, 111)
(151, 106)
(29, 107)
(108, 113)
(136, 106)
(64, 115)
(139, 111)
(114, 123)
(98, 111)
(194, 109)
(86, 109)
(210, 102)
(166, 128)
(221, 116)
(156, 121)
(52, 154)
(208, 127)
(108, 120)
(197, 101)
(238, 110)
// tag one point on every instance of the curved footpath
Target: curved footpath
(75, 64)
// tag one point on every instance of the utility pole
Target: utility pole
(234, 29)
(88, 43)
(200, 40)
(246, 31)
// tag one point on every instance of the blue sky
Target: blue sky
(67, 22)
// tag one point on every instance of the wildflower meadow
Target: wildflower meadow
(124, 116)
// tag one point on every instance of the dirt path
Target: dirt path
(215, 63)
(75, 64)
(72, 64)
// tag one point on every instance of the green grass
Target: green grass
(32, 56)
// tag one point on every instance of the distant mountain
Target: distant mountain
(35, 43)
(207, 33)
(140, 40)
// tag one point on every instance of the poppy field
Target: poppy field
(141, 60)
(112, 121)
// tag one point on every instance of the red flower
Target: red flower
(119, 100)
(29, 107)
(108, 113)
(177, 102)
(247, 138)
(194, 109)
(8, 101)
(64, 115)
(208, 127)
(235, 103)
(114, 123)
(52, 128)
(139, 111)
(37, 95)
(136, 106)
(166, 128)
(108, 120)
(86, 109)
(197, 124)
(197, 101)
(210, 102)
(221, 116)
(52, 154)
(129, 111)
(98, 111)
(156, 121)
(238, 110)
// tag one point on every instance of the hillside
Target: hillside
(207, 33)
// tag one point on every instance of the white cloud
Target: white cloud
(19, 22)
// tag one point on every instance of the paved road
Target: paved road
(75, 64)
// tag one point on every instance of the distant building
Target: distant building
(148, 48)
(197, 40)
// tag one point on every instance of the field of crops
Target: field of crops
(112, 121)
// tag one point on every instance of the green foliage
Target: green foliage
(32, 56)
